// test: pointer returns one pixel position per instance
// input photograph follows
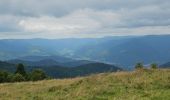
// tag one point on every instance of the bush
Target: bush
(10, 77)
(139, 66)
(154, 66)
(3, 76)
(18, 78)
(38, 74)
(21, 75)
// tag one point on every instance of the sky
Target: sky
(83, 18)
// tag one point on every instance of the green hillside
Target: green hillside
(136, 85)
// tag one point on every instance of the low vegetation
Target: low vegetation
(142, 84)
(21, 75)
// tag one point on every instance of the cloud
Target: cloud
(80, 21)
(87, 18)
(8, 23)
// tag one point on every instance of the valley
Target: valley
(123, 51)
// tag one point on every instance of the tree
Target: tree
(139, 66)
(3, 76)
(38, 74)
(20, 70)
(18, 78)
(154, 66)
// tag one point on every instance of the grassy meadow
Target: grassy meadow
(135, 85)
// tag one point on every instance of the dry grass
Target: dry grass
(136, 85)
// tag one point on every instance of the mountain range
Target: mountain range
(124, 51)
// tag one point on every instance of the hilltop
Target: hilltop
(136, 85)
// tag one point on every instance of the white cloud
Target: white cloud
(87, 18)
(80, 21)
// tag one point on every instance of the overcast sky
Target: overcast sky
(83, 18)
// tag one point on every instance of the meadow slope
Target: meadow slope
(136, 85)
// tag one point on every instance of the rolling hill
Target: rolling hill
(57, 70)
(77, 63)
(82, 70)
(136, 85)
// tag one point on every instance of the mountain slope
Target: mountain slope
(137, 85)
(34, 58)
(123, 51)
(44, 62)
(7, 66)
(166, 65)
(76, 63)
(59, 71)
(129, 51)
(83, 70)
(14, 48)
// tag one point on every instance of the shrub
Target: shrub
(10, 77)
(139, 66)
(21, 75)
(38, 74)
(18, 78)
(3, 76)
(154, 66)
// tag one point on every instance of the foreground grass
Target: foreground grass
(137, 85)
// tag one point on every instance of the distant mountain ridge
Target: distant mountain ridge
(40, 58)
(166, 65)
(125, 51)
(49, 61)
(44, 62)
(129, 51)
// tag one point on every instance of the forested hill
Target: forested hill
(58, 71)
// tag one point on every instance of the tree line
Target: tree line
(141, 66)
(21, 75)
